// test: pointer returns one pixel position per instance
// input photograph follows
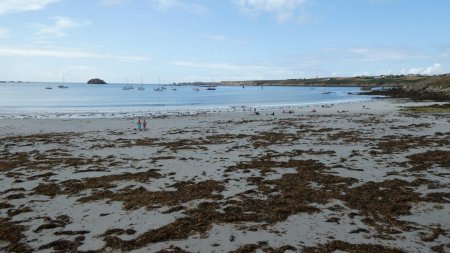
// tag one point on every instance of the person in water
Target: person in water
(144, 125)
(139, 124)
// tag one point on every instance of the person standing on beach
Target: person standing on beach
(138, 124)
(144, 125)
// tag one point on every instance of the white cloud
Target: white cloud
(217, 66)
(380, 54)
(112, 2)
(4, 33)
(58, 28)
(365, 73)
(434, 69)
(131, 58)
(58, 53)
(65, 53)
(385, 72)
(231, 71)
(217, 37)
(80, 68)
(225, 39)
(375, 54)
(283, 10)
(11, 6)
(164, 5)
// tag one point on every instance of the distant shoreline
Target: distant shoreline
(357, 81)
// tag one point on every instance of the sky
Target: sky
(202, 40)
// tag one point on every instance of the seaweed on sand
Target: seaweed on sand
(351, 248)
(185, 191)
(428, 159)
(398, 144)
(103, 182)
(251, 248)
(11, 233)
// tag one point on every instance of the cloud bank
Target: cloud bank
(192, 7)
(11, 6)
(4, 33)
(65, 53)
(58, 28)
(434, 69)
(283, 10)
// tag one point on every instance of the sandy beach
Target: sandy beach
(359, 177)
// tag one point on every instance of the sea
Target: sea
(33, 100)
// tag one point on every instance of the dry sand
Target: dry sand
(370, 179)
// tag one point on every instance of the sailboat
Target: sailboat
(127, 87)
(48, 87)
(142, 86)
(211, 86)
(159, 88)
(62, 86)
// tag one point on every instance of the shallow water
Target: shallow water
(82, 100)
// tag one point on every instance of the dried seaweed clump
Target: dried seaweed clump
(104, 182)
(351, 248)
(198, 220)
(347, 136)
(141, 197)
(11, 233)
(427, 160)
(382, 200)
(251, 248)
(64, 245)
(396, 144)
(266, 139)
(291, 194)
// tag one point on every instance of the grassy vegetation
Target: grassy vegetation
(369, 81)
(436, 108)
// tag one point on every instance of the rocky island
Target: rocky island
(96, 81)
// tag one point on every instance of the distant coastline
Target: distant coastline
(405, 86)
(358, 81)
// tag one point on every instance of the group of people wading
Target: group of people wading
(141, 125)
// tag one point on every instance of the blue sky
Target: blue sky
(197, 40)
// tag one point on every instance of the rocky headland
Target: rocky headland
(399, 86)
(434, 88)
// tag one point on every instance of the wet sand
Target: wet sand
(369, 178)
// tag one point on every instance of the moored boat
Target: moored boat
(127, 87)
